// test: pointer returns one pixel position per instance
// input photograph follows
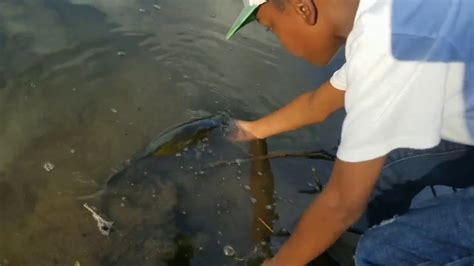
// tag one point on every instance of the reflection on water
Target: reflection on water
(86, 84)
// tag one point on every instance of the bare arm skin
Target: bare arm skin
(310, 108)
(342, 202)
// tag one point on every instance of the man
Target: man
(408, 89)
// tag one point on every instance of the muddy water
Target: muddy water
(86, 84)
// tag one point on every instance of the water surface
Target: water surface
(84, 85)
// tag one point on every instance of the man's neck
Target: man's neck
(342, 13)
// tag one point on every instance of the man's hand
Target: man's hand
(341, 203)
(243, 131)
(308, 109)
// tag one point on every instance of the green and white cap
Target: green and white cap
(247, 15)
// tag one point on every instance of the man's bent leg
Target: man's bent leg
(438, 233)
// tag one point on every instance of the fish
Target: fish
(188, 210)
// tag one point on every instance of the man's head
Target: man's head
(302, 26)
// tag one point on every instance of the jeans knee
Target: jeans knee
(365, 247)
(372, 248)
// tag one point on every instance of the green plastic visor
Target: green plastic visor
(247, 15)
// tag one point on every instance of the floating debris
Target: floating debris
(121, 53)
(72, 151)
(103, 224)
(184, 212)
(247, 187)
(48, 166)
(178, 154)
(157, 7)
(113, 110)
(269, 207)
(229, 251)
(213, 15)
(141, 10)
(259, 173)
(253, 200)
(265, 224)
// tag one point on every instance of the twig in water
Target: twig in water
(103, 224)
(265, 224)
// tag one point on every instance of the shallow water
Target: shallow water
(84, 85)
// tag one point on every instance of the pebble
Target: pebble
(48, 166)
(229, 251)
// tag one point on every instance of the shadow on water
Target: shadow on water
(84, 84)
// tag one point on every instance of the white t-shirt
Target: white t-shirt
(408, 76)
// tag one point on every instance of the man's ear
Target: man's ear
(307, 10)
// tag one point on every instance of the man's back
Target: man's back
(409, 76)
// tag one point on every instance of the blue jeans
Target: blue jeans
(431, 195)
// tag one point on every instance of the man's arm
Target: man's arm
(342, 202)
(310, 108)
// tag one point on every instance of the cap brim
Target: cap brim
(246, 16)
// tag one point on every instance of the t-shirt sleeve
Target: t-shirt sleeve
(338, 79)
(390, 103)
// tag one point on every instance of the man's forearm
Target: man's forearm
(320, 226)
(340, 204)
(310, 108)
